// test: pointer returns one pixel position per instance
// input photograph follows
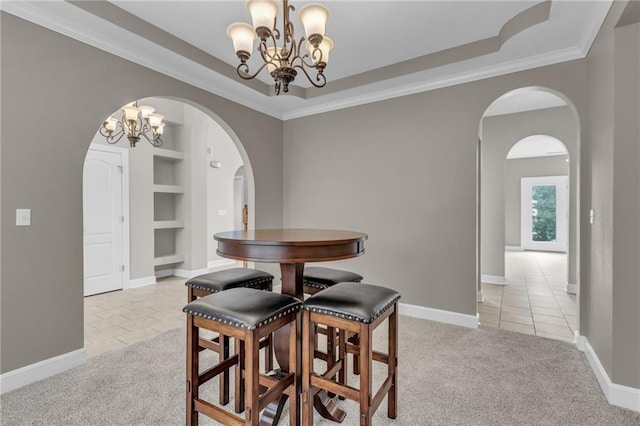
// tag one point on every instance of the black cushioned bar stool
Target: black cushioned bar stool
(356, 309)
(247, 315)
(214, 282)
(316, 279)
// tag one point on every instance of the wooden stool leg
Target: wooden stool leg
(392, 396)
(355, 339)
(308, 345)
(192, 371)
(251, 379)
(223, 342)
(366, 365)
(294, 367)
(268, 353)
(343, 358)
(239, 372)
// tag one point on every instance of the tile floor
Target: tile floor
(534, 302)
(119, 318)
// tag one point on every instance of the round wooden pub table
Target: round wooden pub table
(292, 248)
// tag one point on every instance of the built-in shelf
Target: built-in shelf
(169, 154)
(168, 260)
(169, 189)
(168, 224)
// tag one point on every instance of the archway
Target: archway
(512, 117)
(170, 202)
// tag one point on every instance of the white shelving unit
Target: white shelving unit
(168, 224)
(168, 191)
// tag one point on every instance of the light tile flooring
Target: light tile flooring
(534, 301)
(117, 319)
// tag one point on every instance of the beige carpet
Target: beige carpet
(447, 375)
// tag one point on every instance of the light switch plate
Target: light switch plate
(23, 217)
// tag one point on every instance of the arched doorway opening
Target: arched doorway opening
(178, 195)
(520, 288)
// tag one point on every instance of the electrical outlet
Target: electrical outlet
(23, 217)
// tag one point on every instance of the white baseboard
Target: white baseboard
(185, 273)
(513, 248)
(571, 288)
(480, 296)
(41, 370)
(493, 279)
(619, 395)
(448, 317)
(220, 262)
(141, 282)
(163, 273)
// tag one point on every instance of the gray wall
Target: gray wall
(404, 171)
(516, 169)
(499, 134)
(610, 294)
(626, 210)
(71, 88)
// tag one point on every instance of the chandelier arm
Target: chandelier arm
(319, 77)
(310, 55)
(244, 74)
(113, 137)
(156, 141)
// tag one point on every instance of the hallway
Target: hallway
(534, 302)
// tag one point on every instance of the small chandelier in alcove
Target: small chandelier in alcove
(136, 121)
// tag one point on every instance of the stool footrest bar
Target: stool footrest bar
(217, 414)
(217, 369)
(333, 387)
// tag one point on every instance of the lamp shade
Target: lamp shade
(263, 12)
(155, 119)
(110, 124)
(131, 112)
(160, 129)
(325, 47)
(242, 36)
(145, 110)
(314, 17)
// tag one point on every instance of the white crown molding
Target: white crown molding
(191, 72)
(448, 317)
(597, 19)
(41, 370)
(550, 58)
(174, 65)
(619, 395)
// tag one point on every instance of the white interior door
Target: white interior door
(103, 221)
(545, 213)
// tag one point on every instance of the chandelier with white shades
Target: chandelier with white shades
(281, 53)
(136, 121)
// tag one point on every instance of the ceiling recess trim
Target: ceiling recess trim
(174, 65)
